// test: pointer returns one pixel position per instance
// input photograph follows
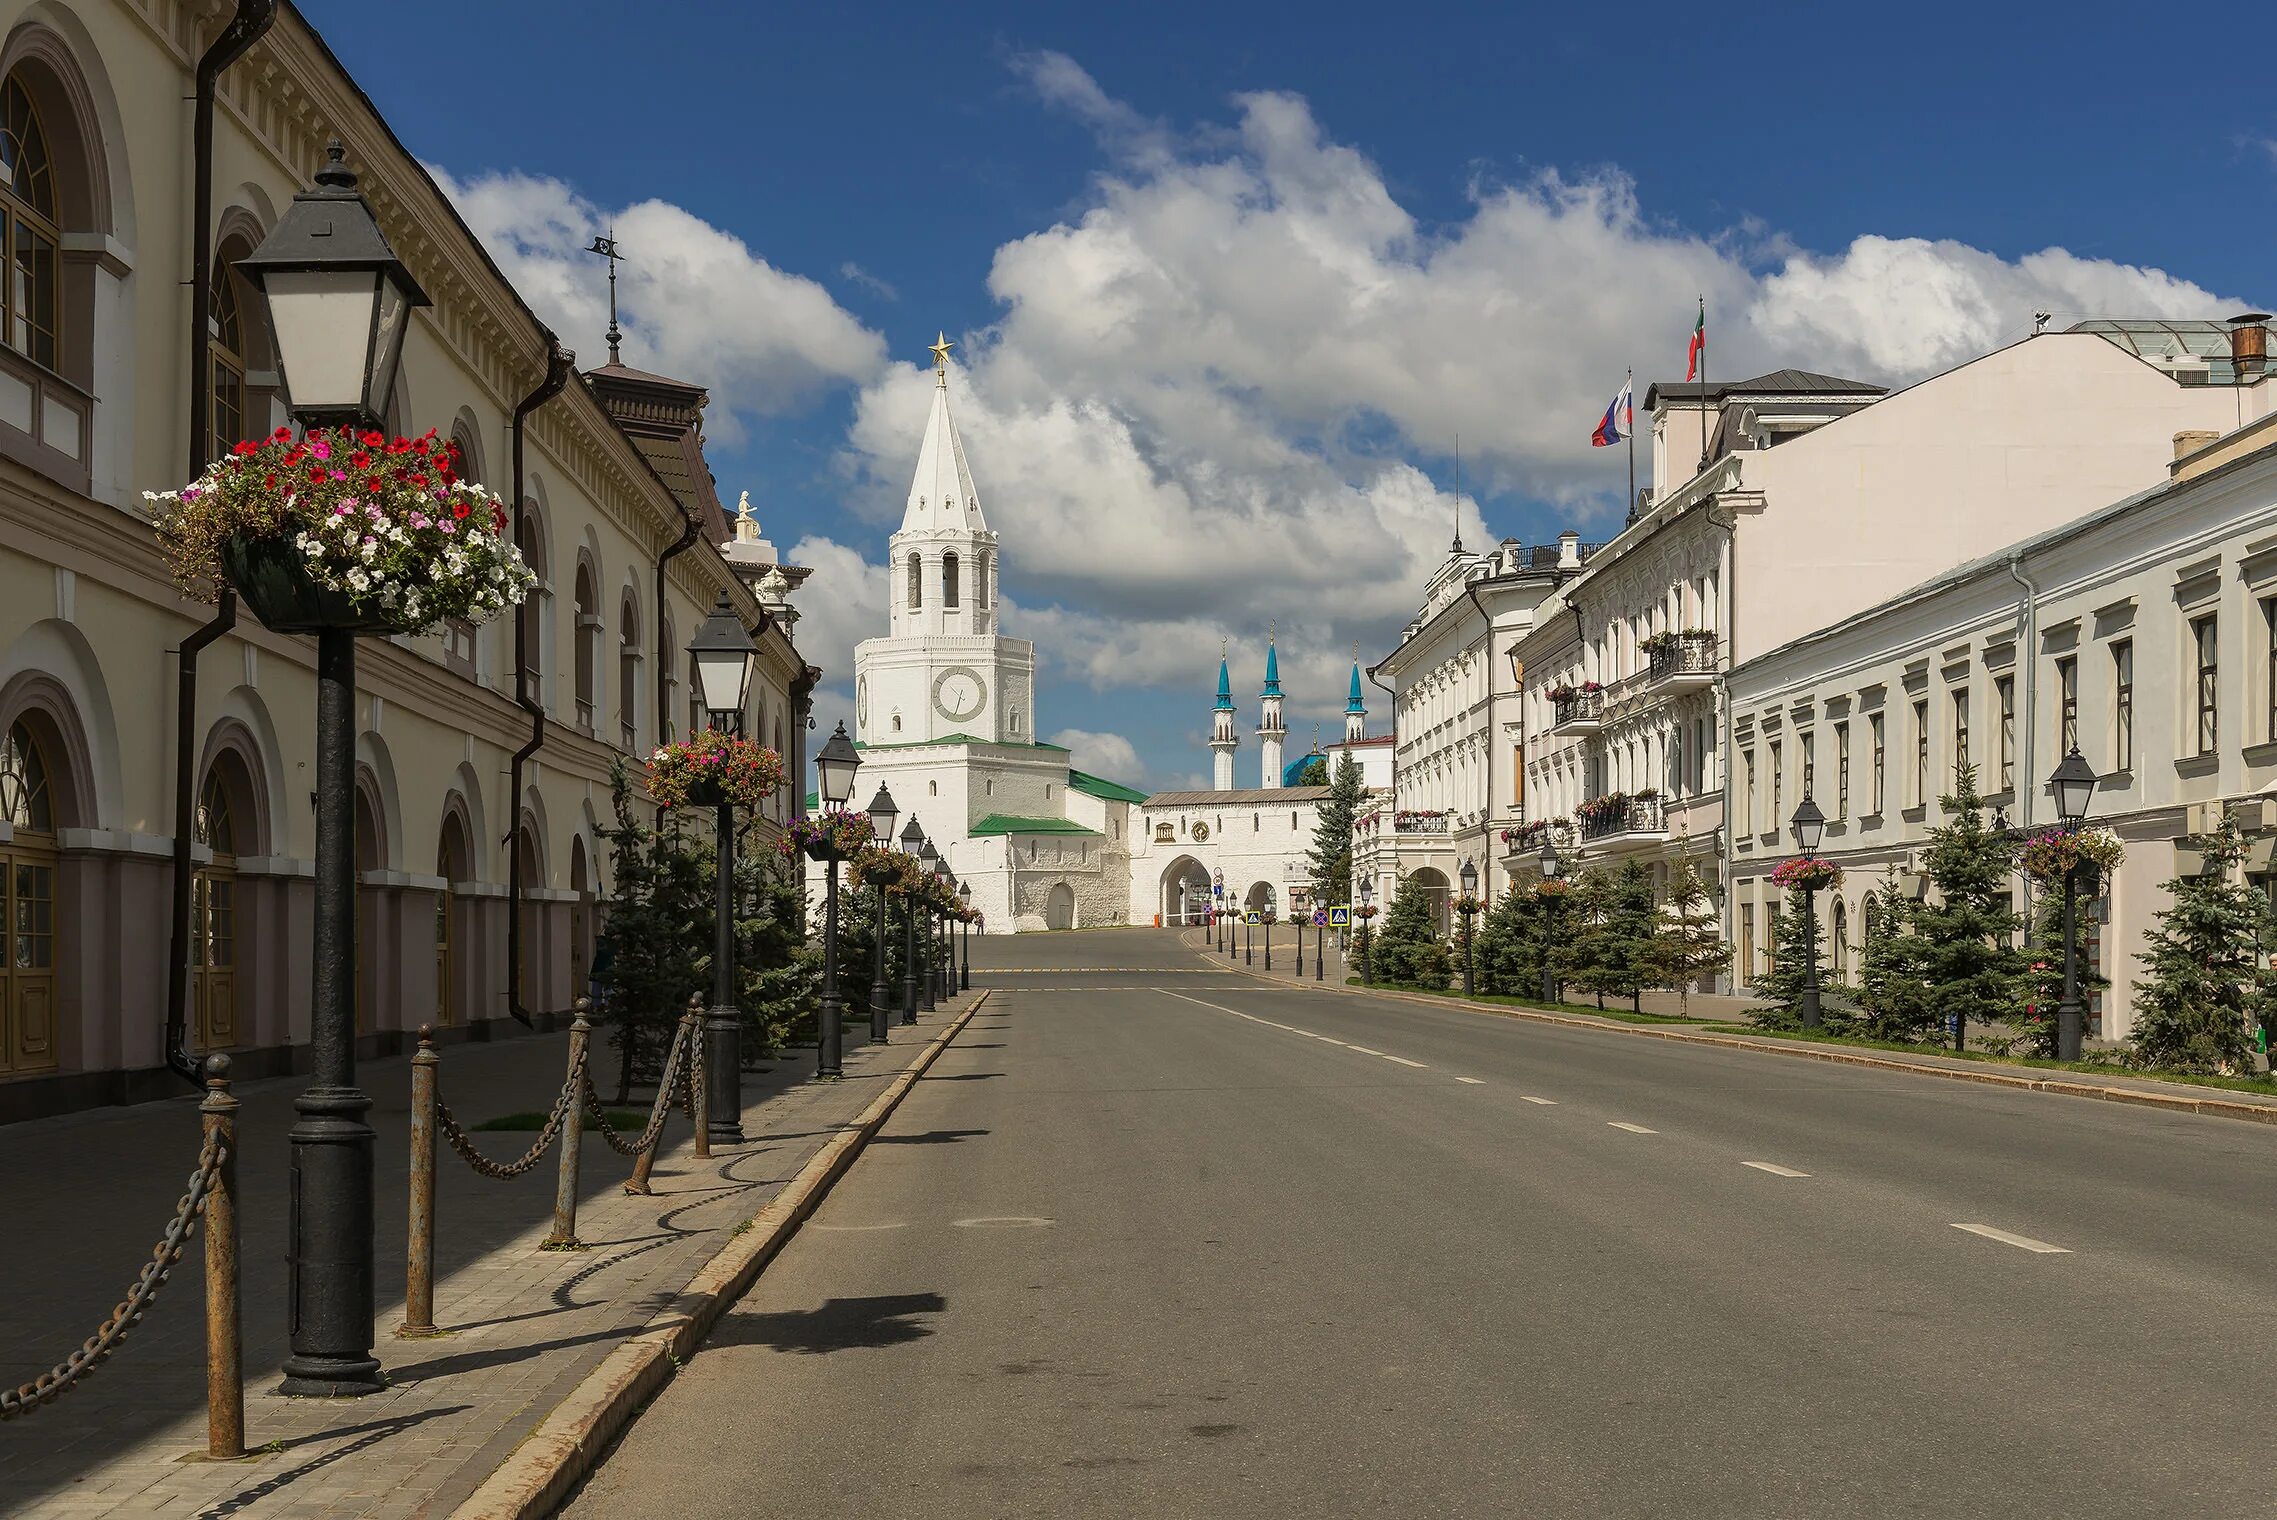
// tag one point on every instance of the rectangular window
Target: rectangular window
(1747, 793)
(1747, 942)
(1960, 731)
(2123, 705)
(2004, 692)
(1921, 753)
(1842, 770)
(2269, 665)
(1518, 776)
(2205, 643)
(2067, 705)
(1874, 797)
(1809, 743)
(1778, 802)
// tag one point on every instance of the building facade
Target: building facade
(463, 849)
(2144, 633)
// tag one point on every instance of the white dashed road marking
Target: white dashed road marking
(1364, 1050)
(2021, 1242)
(1774, 1168)
(1001, 1222)
(1473, 1081)
(897, 1225)
(1545, 1102)
(1404, 1061)
(1634, 1129)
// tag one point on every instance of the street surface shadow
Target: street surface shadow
(931, 1137)
(367, 1436)
(841, 1324)
(967, 1076)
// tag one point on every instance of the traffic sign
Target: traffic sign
(1253, 917)
(1340, 916)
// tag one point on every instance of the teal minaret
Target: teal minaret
(1223, 738)
(1355, 711)
(1270, 729)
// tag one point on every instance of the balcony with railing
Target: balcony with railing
(1577, 710)
(1621, 819)
(1681, 661)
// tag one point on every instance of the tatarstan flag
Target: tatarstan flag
(1699, 346)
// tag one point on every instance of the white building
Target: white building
(1456, 773)
(1820, 498)
(2145, 633)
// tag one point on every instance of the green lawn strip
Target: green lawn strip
(619, 1118)
(2259, 1085)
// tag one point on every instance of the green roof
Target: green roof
(1005, 823)
(1100, 786)
(963, 739)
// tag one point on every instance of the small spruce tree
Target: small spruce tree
(1795, 940)
(1508, 948)
(1893, 989)
(1408, 949)
(1331, 859)
(1589, 952)
(2201, 988)
(1634, 927)
(2043, 984)
(1969, 958)
(1689, 942)
(659, 918)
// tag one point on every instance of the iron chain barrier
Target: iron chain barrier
(507, 1171)
(97, 1348)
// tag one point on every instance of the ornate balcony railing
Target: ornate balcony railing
(1621, 815)
(1689, 654)
(1578, 707)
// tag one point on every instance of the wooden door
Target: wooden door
(27, 984)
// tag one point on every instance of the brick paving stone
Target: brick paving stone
(523, 1325)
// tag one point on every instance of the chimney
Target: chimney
(2192, 440)
(2249, 344)
(1569, 550)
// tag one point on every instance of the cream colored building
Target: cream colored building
(2144, 632)
(1821, 497)
(96, 373)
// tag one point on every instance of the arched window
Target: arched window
(588, 643)
(1841, 940)
(532, 623)
(916, 583)
(949, 582)
(664, 673)
(628, 676)
(225, 350)
(454, 863)
(213, 906)
(33, 287)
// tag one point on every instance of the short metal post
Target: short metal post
(686, 1050)
(225, 1360)
(564, 1236)
(419, 1237)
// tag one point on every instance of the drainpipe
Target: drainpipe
(2028, 659)
(1387, 691)
(560, 364)
(237, 38)
(687, 540)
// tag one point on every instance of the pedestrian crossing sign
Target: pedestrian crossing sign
(1253, 917)
(1340, 917)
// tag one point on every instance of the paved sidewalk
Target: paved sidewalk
(89, 1192)
(1730, 1009)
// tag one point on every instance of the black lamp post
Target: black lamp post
(1469, 875)
(338, 302)
(1367, 902)
(2073, 787)
(723, 655)
(1810, 828)
(1271, 916)
(914, 846)
(834, 768)
(1552, 864)
(882, 816)
(964, 936)
(929, 861)
(944, 986)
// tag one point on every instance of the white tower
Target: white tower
(942, 668)
(1271, 730)
(1223, 739)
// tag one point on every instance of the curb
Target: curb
(566, 1444)
(2069, 1087)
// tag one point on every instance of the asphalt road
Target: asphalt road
(1155, 1239)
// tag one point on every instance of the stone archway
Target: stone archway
(1432, 882)
(1184, 896)
(1259, 897)
(1059, 906)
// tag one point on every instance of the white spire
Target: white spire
(942, 495)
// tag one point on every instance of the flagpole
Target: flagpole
(1703, 385)
(1631, 421)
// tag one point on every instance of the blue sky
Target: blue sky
(1231, 281)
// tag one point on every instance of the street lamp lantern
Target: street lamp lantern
(1469, 874)
(882, 816)
(2073, 788)
(723, 654)
(1550, 861)
(338, 299)
(1810, 827)
(912, 837)
(1367, 890)
(834, 770)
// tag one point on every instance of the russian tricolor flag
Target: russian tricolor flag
(1619, 421)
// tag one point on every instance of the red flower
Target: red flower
(243, 448)
(272, 482)
(420, 447)
(281, 434)
(360, 460)
(458, 509)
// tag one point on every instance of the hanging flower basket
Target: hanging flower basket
(838, 833)
(2050, 854)
(713, 768)
(1365, 912)
(1552, 888)
(1467, 902)
(343, 530)
(878, 866)
(1812, 875)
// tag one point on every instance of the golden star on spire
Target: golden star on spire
(941, 347)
